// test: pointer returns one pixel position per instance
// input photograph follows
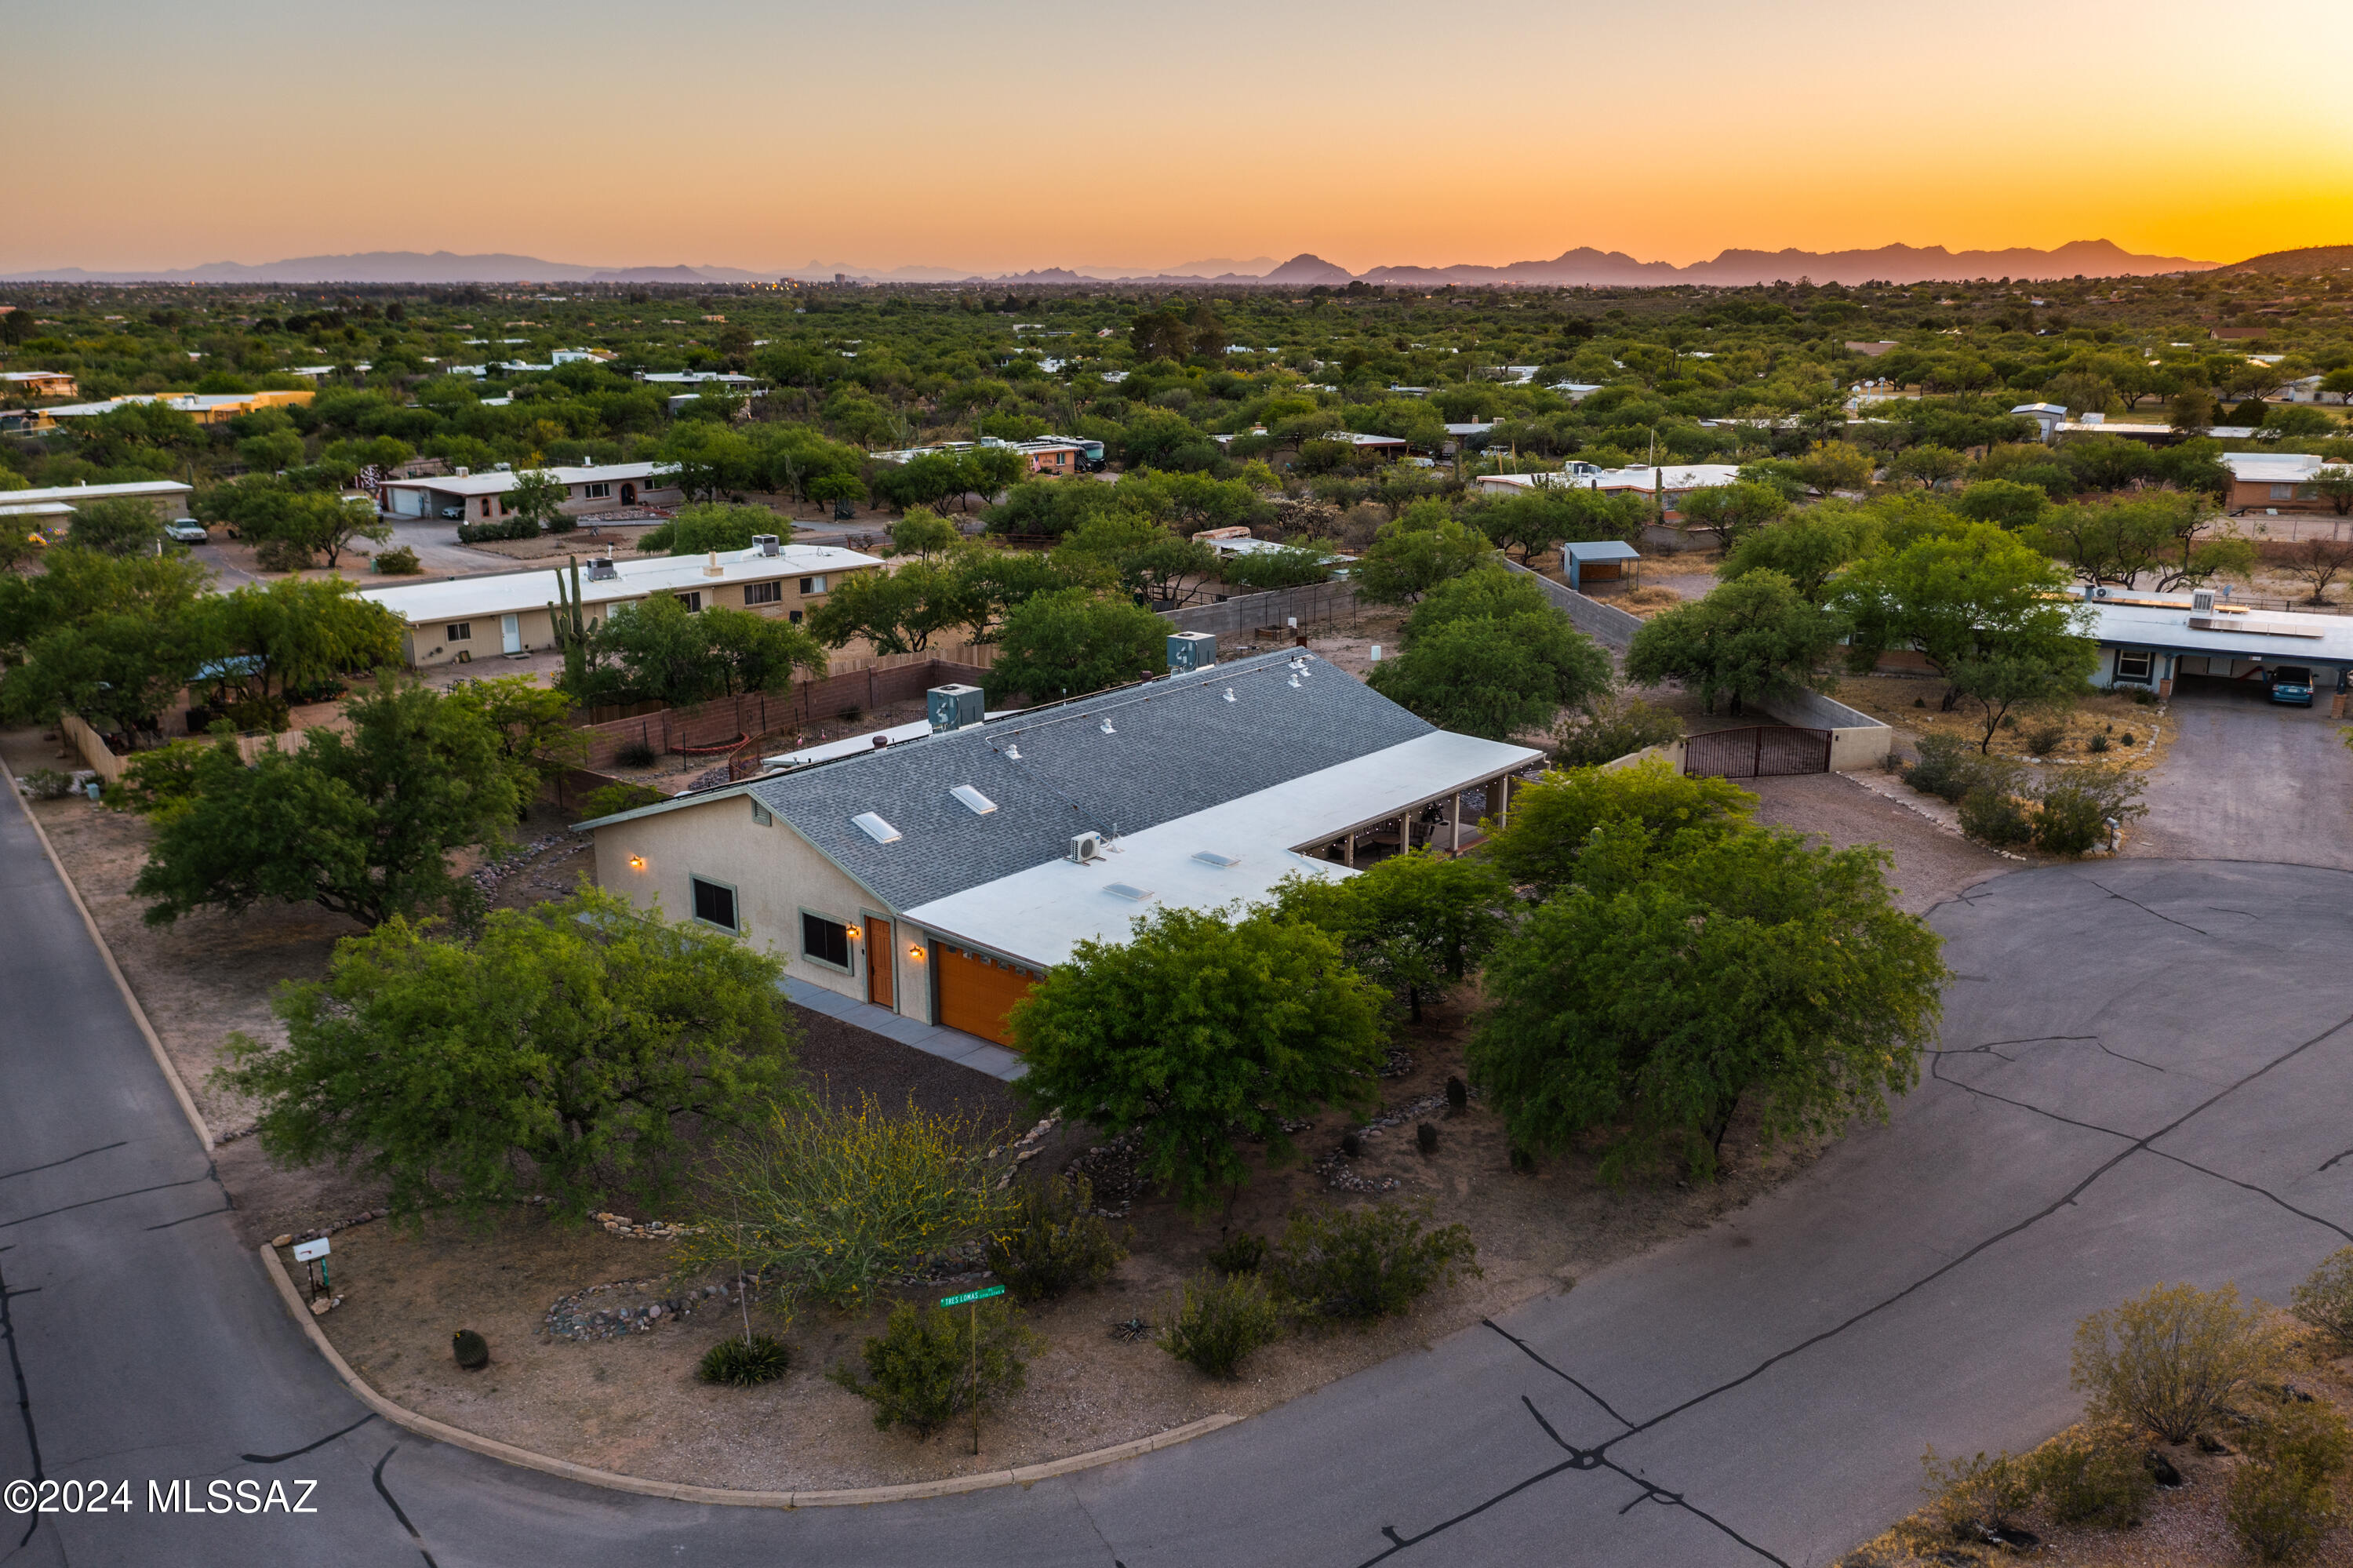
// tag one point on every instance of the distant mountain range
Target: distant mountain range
(1583, 265)
(401, 267)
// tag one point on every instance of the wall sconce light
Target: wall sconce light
(636, 862)
(914, 952)
(855, 933)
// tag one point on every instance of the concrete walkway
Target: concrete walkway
(935, 1039)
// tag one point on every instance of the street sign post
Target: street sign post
(973, 1299)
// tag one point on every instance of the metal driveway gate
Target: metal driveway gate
(1762, 751)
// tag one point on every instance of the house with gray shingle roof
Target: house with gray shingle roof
(939, 876)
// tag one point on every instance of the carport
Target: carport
(2160, 642)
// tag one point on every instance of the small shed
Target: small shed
(1601, 560)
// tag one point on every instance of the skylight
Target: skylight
(1211, 857)
(1133, 894)
(972, 800)
(875, 828)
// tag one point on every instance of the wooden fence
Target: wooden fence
(714, 724)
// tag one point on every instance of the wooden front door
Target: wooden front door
(881, 963)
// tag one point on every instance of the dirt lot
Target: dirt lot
(633, 1404)
(1913, 704)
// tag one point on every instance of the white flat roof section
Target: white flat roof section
(1041, 914)
(2271, 468)
(499, 482)
(2283, 636)
(69, 494)
(497, 593)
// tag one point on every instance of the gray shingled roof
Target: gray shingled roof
(1177, 747)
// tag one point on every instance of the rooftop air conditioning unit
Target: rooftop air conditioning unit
(954, 707)
(1087, 847)
(1191, 651)
(603, 569)
(503, 467)
(2202, 602)
(765, 542)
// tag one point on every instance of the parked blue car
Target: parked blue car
(2291, 683)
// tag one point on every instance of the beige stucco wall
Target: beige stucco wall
(775, 873)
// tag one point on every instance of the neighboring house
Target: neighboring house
(2047, 416)
(204, 407)
(2155, 640)
(480, 497)
(168, 496)
(726, 381)
(940, 877)
(38, 384)
(1054, 459)
(2272, 481)
(458, 620)
(1873, 350)
(1669, 484)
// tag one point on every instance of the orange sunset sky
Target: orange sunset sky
(1006, 134)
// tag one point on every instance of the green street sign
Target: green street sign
(973, 1295)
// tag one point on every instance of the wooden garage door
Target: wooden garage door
(976, 991)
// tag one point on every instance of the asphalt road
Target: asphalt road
(2248, 779)
(2143, 1078)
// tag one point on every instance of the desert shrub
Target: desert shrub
(1969, 1498)
(920, 1370)
(611, 799)
(1054, 1242)
(2075, 806)
(1425, 1138)
(1218, 1319)
(745, 1362)
(281, 555)
(1458, 1094)
(2172, 1359)
(1367, 1262)
(2096, 745)
(1240, 1253)
(2283, 1498)
(46, 783)
(1950, 768)
(2280, 1515)
(636, 754)
(2046, 738)
(517, 527)
(472, 1351)
(1605, 731)
(838, 1199)
(2092, 1474)
(2125, 738)
(1995, 816)
(2325, 1300)
(398, 562)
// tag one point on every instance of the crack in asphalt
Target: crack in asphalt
(52, 1165)
(183, 1219)
(298, 1452)
(2122, 1057)
(1598, 1457)
(24, 1396)
(2331, 1160)
(2143, 907)
(389, 1501)
(1594, 1458)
